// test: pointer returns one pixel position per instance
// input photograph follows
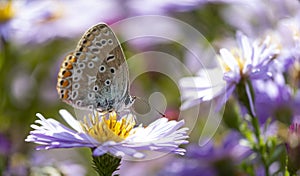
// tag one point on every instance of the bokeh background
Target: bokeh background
(35, 35)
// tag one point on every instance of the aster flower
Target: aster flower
(255, 17)
(273, 99)
(55, 163)
(108, 134)
(40, 21)
(210, 159)
(250, 61)
(289, 35)
(150, 7)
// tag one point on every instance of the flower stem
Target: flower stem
(260, 144)
(106, 165)
(246, 96)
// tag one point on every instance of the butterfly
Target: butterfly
(95, 76)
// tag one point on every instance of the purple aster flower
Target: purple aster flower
(232, 146)
(256, 17)
(182, 167)
(106, 134)
(210, 159)
(289, 62)
(273, 99)
(148, 7)
(38, 21)
(250, 61)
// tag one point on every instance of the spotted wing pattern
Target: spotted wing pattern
(95, 75)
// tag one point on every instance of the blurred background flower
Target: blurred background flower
(36, 35)
(292, 147)
(57, 163)
(256, 18)
(274, 99)
(32, 21)
(215, 158)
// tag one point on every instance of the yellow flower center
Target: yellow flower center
(241, 58)
(236, 53)
(6, 11)
(107, 127)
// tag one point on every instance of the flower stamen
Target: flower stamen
(236, 53)
(238, 57)
(108, 128)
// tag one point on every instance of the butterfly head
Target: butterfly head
(129, 101)
(117, 106)
(125, 104)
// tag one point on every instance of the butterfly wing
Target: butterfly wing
(95, 75)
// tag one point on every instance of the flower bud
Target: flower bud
(293, 148)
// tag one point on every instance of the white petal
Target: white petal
(245, 46)
(70, 120)
(195, 82)
(229, 60)
(190, 103)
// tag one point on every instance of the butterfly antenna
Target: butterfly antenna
(148, 104)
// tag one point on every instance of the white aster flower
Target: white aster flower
(249, 61)
(109, 134)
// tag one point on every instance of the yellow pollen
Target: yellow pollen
(237, 56)
(223, 64)
(107, 127)
(296, 33)
(6, 11)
